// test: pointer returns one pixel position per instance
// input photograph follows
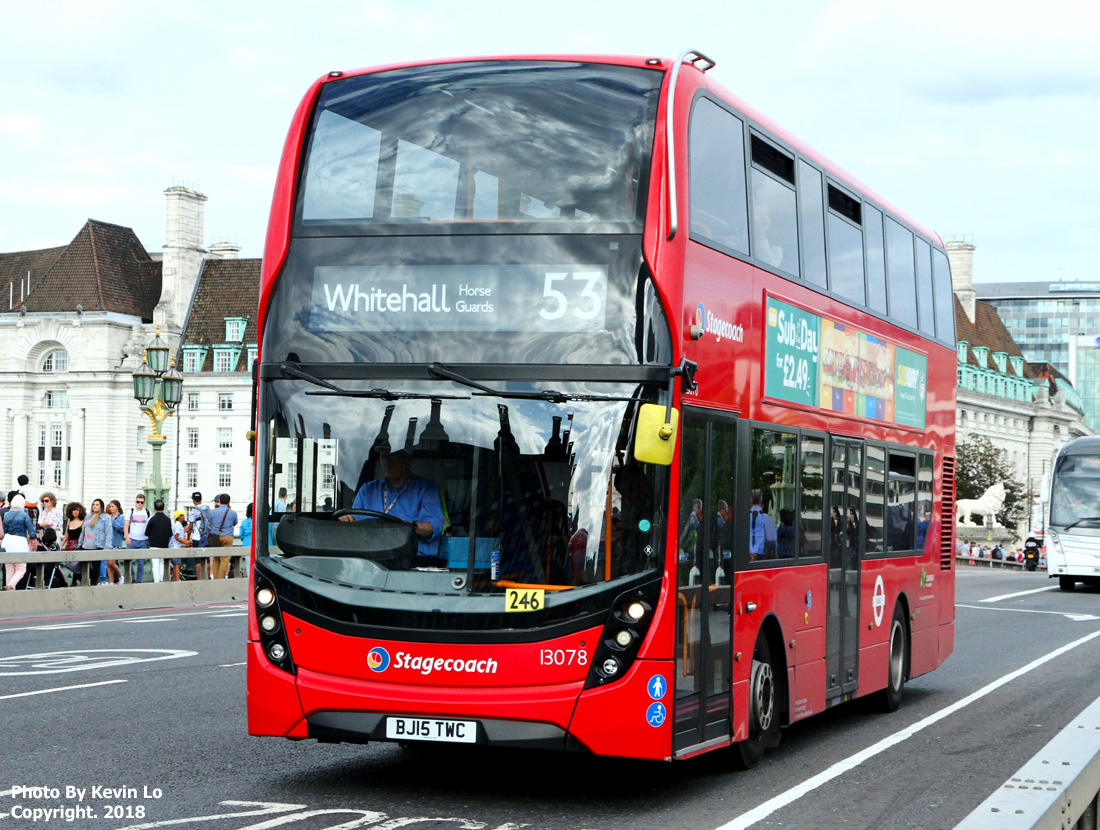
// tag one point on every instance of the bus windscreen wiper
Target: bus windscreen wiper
(290, 370)
(1084, 519)
(440, 371)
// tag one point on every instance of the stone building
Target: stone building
(78, 319)
(1027, 409)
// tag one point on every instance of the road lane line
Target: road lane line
(218, 606)
(62, 689)
(1076, 617)
(61, 627)
(750, 818)
(234, 614)
(231, 665)
(145, 620)
(1019, 594)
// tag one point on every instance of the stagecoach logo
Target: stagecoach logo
(722, 329)
(378, 659)
(878, 601)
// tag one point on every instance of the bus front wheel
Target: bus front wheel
(763, 709)
(1066, 583)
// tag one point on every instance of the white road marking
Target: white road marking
(1067, 614)
(266, 809)
(92, 624)
(231, 665)
(58, 627)
(1020, 594)
(235, 614)
(62, 689)
(58, 662)
(750, 818)
(144, 620)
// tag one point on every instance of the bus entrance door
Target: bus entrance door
(704, 676)
(845, 543)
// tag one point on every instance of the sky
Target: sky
(979, 119)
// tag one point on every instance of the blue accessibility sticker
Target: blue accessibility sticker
(655, 715)
(657, 687)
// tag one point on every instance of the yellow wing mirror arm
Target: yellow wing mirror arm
(655, 437)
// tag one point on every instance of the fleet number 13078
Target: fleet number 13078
(563, 657)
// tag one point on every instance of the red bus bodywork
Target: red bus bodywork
(330, 675)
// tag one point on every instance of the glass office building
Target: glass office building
(1057, 323)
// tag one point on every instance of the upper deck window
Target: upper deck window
(846, 246)
(774, 216)
(719, 208)
(502, 141)
(900, 273)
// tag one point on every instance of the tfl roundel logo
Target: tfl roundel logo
(378, 659)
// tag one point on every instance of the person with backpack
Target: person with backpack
(136, 537)
(159, 533)
(198, 524)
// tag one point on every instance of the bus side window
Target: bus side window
(846, 246)
(899, 273)
(773, 505)
(924, 288)
(716, 149)
(874, 499)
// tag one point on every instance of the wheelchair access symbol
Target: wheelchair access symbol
(655, 715)
(657, 687)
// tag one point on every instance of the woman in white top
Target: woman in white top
(18, 530)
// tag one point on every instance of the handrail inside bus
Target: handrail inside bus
(530, 586)
(693, 57)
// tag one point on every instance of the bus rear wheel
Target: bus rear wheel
(763, 709)
(897, 666)
(1066, 583)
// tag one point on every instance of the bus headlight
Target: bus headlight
(1055, 542)
(269, 621)
(624, 634)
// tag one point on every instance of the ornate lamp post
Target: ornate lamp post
(163, 386)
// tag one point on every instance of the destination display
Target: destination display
(819, 362)
(489, 298)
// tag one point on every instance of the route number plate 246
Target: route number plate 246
(528, 599)
(431, 729)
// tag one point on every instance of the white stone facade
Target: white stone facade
(1030, 428)
(70, 421)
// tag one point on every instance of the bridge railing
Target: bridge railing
(83, 596)
(159, 558)
(983, 562)
(1057, 788)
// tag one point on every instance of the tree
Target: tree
(978, 466)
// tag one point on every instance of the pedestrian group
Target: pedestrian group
(33, 521)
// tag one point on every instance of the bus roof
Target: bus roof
(1086, 445)
(666, 64)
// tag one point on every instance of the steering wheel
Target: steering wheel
(375, 514)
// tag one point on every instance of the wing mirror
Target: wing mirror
(655, 437)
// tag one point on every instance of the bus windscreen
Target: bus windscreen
(514, 141)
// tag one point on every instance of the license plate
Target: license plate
(432, 729)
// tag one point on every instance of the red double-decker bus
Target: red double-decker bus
(594, 412)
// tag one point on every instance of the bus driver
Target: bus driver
(404, 496)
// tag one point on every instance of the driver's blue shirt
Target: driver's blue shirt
(417, 500)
